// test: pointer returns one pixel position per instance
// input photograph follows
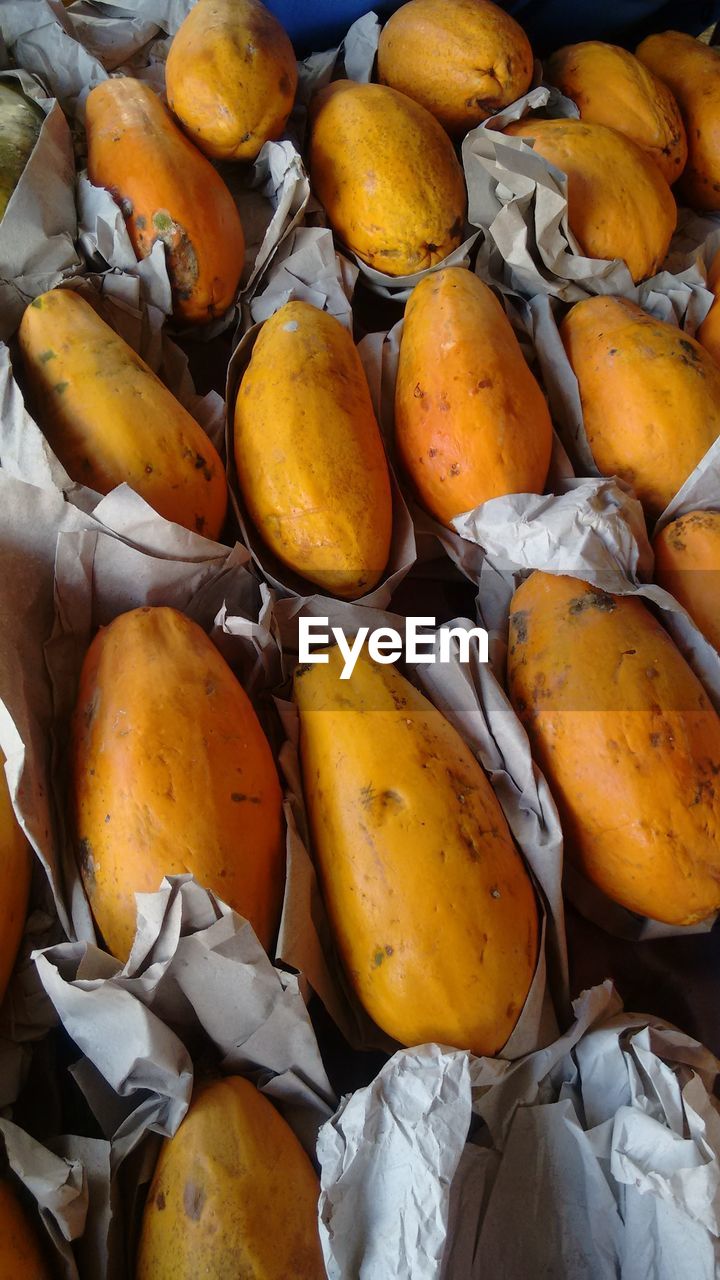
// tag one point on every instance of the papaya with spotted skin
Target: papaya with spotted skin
(691, 70)
(110, 419)
(628, 740)
(171, 773)
(168, 192)
(432, 909)
(687, 564)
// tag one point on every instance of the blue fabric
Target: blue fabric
(319, 24)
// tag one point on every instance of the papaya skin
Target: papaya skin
(16, 862)
(231, 77)
(461, 59)
(168, 191)
(310, 459)
(21, 1254)
(708, 335)
(387, 175)
(474, 424)
(233, 1194)
(21, 120)
(633, 217)
(611, 87)
(171, 772)
(629, 743)
(431, 907)
(687, 564)
(110, 420)
(650, 396)
(691, 70)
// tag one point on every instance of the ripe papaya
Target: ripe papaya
(633, 217)
(650, 395)
(109, 418)
(231, 77)
(21, 1254)
(629, 743)
(473, 425)
(708, 335)
(168, 191)
(233, 1194)
(21, 120)
(387, 175)
(461, 59)
(432, 910)
(609, 86)
(15, 875)
(309, 455)
(687, 564)
(171, 772)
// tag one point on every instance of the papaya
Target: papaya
(387, 175)
(687, 564)
(691, 70)
(231, 77)
(110, 420)
(473, 425)
(461, 59)
(432, 910)
(21, 1254)
(169, 192)
(16, 862)
(631, 217)
(171, 773)
(309, 455)
(650, 396)
(629, 743)
(609, 86)
(21, 120)
(708, 335)
(233, 1194)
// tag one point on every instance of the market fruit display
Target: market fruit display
(432, 910)
(387, 175)
(631, 217)
(691, 69)
(15, 875)
(110, 420)
(21, 120)
(687, 564)
(461, 59)
(473, 425)
(233, 1194)
(708, 335)
(650, 395)
(310, 460)
(231, 77)
(169, 192)
(171, 773)
(609, 86)
(21, 1254)
(628, 740)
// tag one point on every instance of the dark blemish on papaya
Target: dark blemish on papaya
(90, 709)
(239, 797)
(444, 405)
(432, 453)
(37, 302)
(519, 626)
(86, 861)
(418, 392)
(209, 687)
(399, 700)
(141, 222)
(511, 1010)
(60, 387)
(199, 462)
(521, 705)
(431, 248)
(651, 673)
(495, 892)
(389, 950)
(200, 524)
(484, 383)
(148, 470)
(303, 669)
(442, 855)
(592, 600)
(47, 355)
(656, 709)
(613, 351)
(107, 817)
(284, 83)
(626, 653)
(162, 221)
(160, 1201)
(655, 739)
(193, 1201)
(378, 959)
(246, 137)
(455, 469)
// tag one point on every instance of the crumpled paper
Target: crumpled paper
(294, 279)
(58, 1186)
(197, 985)
(609, 1139)
(39, 227)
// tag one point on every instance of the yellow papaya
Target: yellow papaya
(15, 874)
(233, 1194)
(231, 77)
(650, 395)
(309, 455)
(473, 425)
(110, 420)
(432, 910)
(21, 1254)
(687, 564)
(171, 773)
(387, 175)
(629, 743)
